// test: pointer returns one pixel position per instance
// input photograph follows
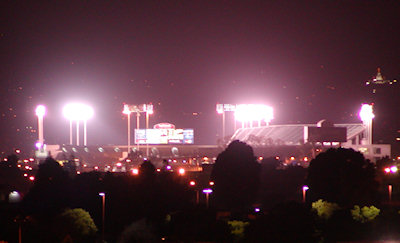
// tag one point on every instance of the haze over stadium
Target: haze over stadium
(308, 60)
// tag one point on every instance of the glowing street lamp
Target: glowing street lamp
(304, 189)
(366, 115)
(103, 212)
(40, 112)
(78, 112)
(207, 191)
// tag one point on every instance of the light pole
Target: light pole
(137, 128)
(77, 132)
(207, 191)
(149, 111)
(40, 112)
(221, 109)
(103, 212)
(304, 189)
(366, 115)
(128, 112)
(78, 112)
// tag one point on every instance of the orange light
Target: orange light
(135, 171)
(32, 178)
(192, 183)
(211, 183)
(181, 171)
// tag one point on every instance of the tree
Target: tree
(286, 222)
(324, 209)
(236, 175)
(77, 224)
(51, 192)
(11, 177)
(364, 214)
(342, 176)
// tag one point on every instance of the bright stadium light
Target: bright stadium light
(78, 112)
(248, 113)
(366, 115)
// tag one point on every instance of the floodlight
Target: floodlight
(253, 112)
(40, 110)
(126, 110)
(366, 114)
(78, 112)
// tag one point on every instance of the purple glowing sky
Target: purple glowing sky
(307, 59)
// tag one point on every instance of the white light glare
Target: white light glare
(40, 110)
(78, 112)
(366, 113)
(253, 112)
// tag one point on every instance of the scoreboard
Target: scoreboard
(164, 136)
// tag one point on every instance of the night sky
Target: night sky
(307, 59)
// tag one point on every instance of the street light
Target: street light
(305, 188)
(40, 112)
(103, 212)
(78, 112)
(366, 115)
(207, 191)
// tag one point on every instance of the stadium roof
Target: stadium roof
(286, 134)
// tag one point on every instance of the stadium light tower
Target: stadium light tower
(366, 115)
(40, 112)
(78, 112)
(128, 112)
(221, 109)
(248, 113)
(149, 111)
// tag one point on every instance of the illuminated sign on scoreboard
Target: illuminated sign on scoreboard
(164, 136)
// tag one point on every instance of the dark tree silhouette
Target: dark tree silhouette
(236, 176)
(342, 176)
(11, 177)
(287, 222)
(51, 191)
(147, 170)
